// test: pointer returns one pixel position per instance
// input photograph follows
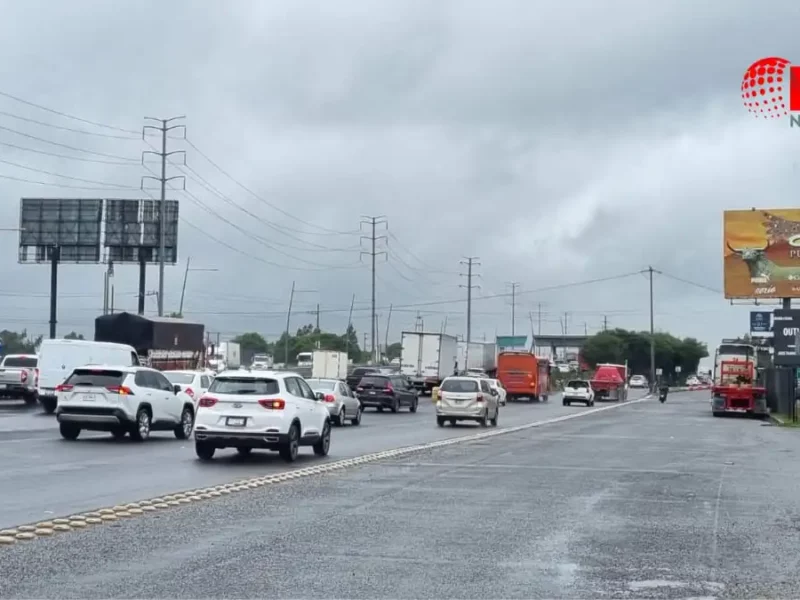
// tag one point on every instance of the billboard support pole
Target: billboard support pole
(142, 281)
(55, 254)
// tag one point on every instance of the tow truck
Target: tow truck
(735, 383)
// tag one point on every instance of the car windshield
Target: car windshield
(95, 378)
(374, 381)
(575, 384)
(321, 384)
(462, 386)
(179, 378)
(26, 362)
(244, 386)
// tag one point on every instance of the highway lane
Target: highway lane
(44, 476)
(644, 501)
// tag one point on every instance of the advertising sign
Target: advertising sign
(71, 224)
(761, 253)
(511, 342)
(787, 337)
(760, 321)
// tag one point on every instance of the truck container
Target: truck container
(524, 375)
(329, 364)
(427, 358)
(161, 342)
(610, 382)
(482, 356)
(737, 381)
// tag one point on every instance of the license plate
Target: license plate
(236, 421)
(372, 393)
(2, 386)
(88, 397)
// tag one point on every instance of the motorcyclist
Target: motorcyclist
(663, 390)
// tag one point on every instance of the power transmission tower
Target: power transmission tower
(514, 285)
(164, 128)
(605, 322)
(470, 262)
(419, 324)
(373, 238)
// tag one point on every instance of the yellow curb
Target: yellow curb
(156, 500)
(61, 527)
(184, 500)
(61, 521)
(93, 520)
(123, 513)
(95, 515)
(173, 503)
(44, 525)
(25, 535)
(144, 503)
(77, 524)
(6, 539)
(203, 497)
(161, 505)
(132, 505)
(43, 532)
(8, 532)
(105, 511)
(136, 511)
(110, 517)
(148, 508)
(26, 528)
(118, 508)
(224, 491)
(214, 494)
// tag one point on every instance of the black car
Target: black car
(387, 391)
(355, 377)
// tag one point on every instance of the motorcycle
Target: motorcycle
(662, 394)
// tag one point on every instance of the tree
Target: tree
(252, 342)
(19, 342)
(394, 350)
(619, 345)
(74, 336)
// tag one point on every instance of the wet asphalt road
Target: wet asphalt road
(43, 476)
(644, 501)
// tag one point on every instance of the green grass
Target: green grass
(785, 421)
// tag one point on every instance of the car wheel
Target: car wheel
(357, 419)
(395, 405)
(379, 408)
(413, 407)
(48, 404)
(496, 417)
(484, 420)
(141, 429)
(565, 402)
(204, 450)
(452, 422)
(291, 447)
(69, 431)
(440, 421)
(323, 446)
(244, 450)
(183, 430)
(341, 418)
(31, 399)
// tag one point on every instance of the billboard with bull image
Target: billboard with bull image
(761, 250)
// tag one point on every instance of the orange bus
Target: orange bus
(524, 375)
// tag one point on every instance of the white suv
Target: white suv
(271, 410)
(135, 400)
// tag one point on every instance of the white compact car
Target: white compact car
(638, 381)
(193, 383)
(270, 410)
(501, 391)
(342, 402)
(578, 390)
(125, 399)
(467, 399)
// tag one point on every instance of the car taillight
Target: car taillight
(190, 391)
(23, 376)
(122, 390)
(479, 398)
(276, 404)
(389, 388)
(207, 401)
(359, 389)
(64, 387)
(330, 398)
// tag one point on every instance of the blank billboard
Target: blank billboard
(73, 224)
(132, 231)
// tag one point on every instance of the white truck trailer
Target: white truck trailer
(482, 357)
(329, 364)
(427, 358)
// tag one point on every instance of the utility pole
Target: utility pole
(419, 324)
(349, 324)
(288, 318)
(388, 322)
(652, 334)
(373, 238)
(471, 262)
(318, 316)
(585, 329)
(185, 279)
(164, 128)
(566, 317)
(514, 285)
(539, 323)
(605, 322)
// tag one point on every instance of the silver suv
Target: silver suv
(467, 399)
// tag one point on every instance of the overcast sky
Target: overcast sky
(557, 141)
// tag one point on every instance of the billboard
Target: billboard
(72, 224)
(761, 253)
(132, 231)
(760, 321)
(787, 337)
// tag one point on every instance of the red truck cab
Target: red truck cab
(734, 386)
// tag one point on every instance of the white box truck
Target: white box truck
(427, 358)
(329, 364)
(482, 357)
(231, 355)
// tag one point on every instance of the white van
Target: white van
(57, 359)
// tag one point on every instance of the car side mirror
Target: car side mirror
(176, 389)
(319, 396)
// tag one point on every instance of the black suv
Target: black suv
(387, 391)
(355, 377)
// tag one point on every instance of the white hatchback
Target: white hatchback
(269, 410)
(578, 390)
